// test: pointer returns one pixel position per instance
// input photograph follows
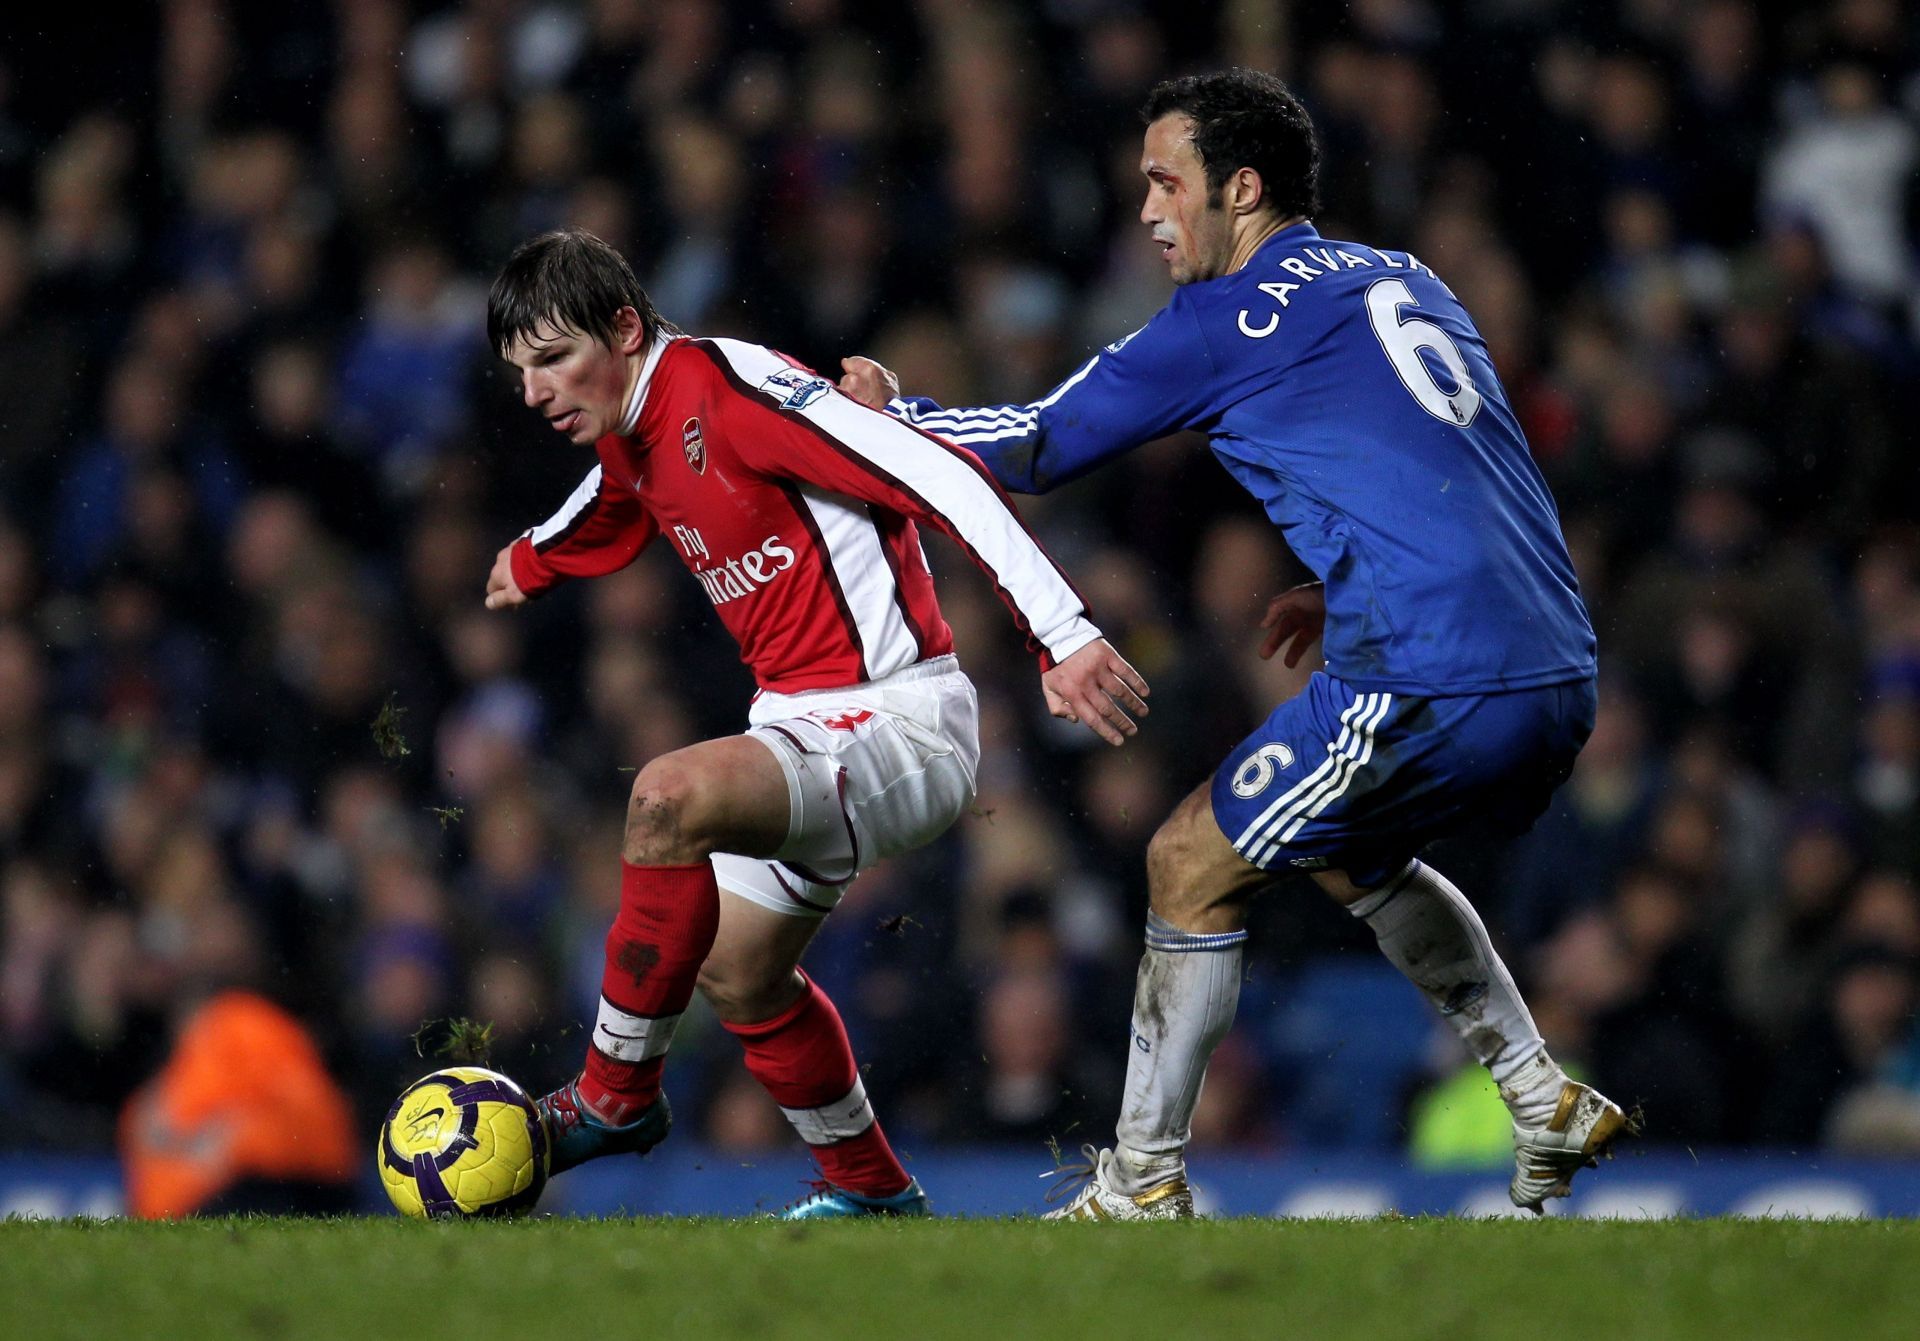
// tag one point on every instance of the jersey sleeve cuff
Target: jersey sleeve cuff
(912, 408)
(1068, 639)
(530, 572)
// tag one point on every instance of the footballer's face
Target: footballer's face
(1190, 225)
(577, 383)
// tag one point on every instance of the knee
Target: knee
(747, 994)
(1339, 886)
(1171, 887)
(1195, 879)
(667, 816)
(723, 987)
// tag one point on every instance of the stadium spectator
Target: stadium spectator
(149, 486)
(1864, 1019)
(40, 366)
(1849, 167)
(402, 389)
(1602, 813)
(209, 1134)
(288, 443)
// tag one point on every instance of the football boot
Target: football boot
(827, 1202)
(1094, 1196)
(575, 1136)
(1583, 1128)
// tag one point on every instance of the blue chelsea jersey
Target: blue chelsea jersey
(1346, 388)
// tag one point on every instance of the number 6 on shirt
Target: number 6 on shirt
(1403, 341)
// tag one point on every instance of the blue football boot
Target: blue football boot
(827, 1202)
(575, 1136)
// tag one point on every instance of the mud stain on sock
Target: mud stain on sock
(1150, 992)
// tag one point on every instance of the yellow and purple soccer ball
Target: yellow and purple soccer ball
(463, 1142)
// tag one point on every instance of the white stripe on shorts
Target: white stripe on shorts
(632, 1038)
(1309, 782)
(1296, 818)
(844, 1117)
(1347, 755)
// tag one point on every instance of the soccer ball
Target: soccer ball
(463, 1142)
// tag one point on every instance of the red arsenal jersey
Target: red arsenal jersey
(794, 507)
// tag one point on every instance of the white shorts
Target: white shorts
(873, 770)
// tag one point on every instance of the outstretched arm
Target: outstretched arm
(828, 441)
(600, 529)
(1133, 391)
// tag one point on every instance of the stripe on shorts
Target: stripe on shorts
(1357, 757)
(1307, 783)
(1280, 822)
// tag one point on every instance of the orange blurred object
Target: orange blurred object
(244, 1097)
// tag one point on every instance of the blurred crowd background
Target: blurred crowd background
(255, 459)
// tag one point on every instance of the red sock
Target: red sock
(660, 937)
(803, 1058)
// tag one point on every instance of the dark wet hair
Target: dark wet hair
(1247, 119)
(568, 278)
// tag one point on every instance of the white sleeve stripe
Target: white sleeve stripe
(962, 418)
(951, 485)
(983, 428)
(990, 427)
(1067, 385)
(969, 416)
(570, 512)
(977, 412)
(986, 435)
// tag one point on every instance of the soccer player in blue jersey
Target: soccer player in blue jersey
(1346, 388)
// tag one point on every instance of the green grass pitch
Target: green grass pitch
(978, 1279)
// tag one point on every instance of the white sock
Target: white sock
(1183, 1005)
(1429, 931)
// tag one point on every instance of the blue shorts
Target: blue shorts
(1343, 779)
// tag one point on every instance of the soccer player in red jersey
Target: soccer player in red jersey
(795, 509)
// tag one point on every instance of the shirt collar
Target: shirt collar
(637, 398)
(1291, 235)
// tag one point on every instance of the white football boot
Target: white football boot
(1098, 1199)
(1583, 1128)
